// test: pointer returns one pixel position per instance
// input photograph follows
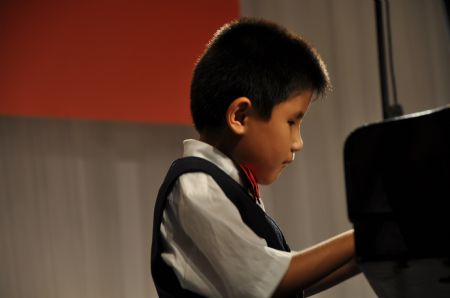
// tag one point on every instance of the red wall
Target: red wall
(110, 60)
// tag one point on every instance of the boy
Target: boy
(211, 236)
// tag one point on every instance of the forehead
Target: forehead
(297, 103)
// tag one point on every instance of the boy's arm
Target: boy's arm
(319, 266)
(344, 272)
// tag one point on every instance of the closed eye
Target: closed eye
(291, 122)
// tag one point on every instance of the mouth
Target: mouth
(286, 163)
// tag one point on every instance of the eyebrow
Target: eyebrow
(299, 115)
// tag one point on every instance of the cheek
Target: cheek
(268, 163)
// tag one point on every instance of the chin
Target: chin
(268, 180)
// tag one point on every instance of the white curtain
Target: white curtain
(76, 197)
(76, 205)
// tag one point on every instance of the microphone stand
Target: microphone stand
(394, 109)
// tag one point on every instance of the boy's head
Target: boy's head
(255, 59)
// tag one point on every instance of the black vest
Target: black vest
(166, 282)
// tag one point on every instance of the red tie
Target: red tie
(254, 187)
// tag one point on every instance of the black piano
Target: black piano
(398, 196)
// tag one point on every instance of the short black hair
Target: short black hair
(257, 59)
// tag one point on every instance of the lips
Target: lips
(286, 162)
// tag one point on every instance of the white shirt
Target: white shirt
(212, 251)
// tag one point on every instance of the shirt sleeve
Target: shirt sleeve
(212, 251)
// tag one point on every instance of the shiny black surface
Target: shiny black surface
(398, 195)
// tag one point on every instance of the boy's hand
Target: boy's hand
(321, 266)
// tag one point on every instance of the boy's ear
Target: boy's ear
(237, 114)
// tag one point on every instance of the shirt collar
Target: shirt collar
(203, 150)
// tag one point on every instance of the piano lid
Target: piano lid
(398, 171)
(398, 197)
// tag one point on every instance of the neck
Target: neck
(223, 140)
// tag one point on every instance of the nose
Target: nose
(297, 143)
